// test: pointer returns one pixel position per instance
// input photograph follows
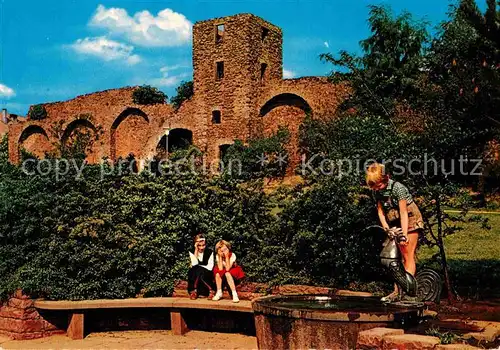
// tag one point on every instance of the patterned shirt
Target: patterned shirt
(396, 191)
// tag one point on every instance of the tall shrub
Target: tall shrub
(148, 95)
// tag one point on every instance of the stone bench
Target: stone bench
(78, 309)
(180, 301)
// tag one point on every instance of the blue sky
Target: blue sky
(54, 50)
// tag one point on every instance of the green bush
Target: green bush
(119, 236)
(184, 92)
(148, 95)
(124, 234)
(37, 112)
(320, 238)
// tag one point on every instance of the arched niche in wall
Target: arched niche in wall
(129, 133)
(285, 99)
(80, 136)
(177, 139)
(285, 110)
(34, 139)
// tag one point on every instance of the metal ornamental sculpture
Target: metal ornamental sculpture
(425, 286)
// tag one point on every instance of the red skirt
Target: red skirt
(235, 271)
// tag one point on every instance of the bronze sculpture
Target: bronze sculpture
(425, 286)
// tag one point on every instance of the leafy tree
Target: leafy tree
(184, 92)
(464, 64)
(37, 112)
(464, 78)
(148, 95)
(391, 64)
(437, 81)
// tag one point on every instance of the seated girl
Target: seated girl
(200, 277)
(226, 270)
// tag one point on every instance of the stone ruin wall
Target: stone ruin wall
(241, 97)
(140, 136)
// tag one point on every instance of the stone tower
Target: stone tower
(234, 59)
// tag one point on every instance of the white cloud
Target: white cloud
(167, 28)
(166, 69)
(133, 59)
(327, 45)
(166, 79)
(6, 92)
(106, 49)
(288, 74)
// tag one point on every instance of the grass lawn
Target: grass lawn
(471, 243)
(474, 258)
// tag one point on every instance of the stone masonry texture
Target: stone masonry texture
(20, 320)
(252, 97)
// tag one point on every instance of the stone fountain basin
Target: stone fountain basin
(323, 321)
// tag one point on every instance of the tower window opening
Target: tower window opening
(219, 33)
(263, 68)
(216, 117)
(220, 70)
(265, 33)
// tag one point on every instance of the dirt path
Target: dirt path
(138, 340)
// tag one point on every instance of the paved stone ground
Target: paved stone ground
(138, 340)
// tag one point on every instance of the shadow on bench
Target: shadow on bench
(183, 312)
